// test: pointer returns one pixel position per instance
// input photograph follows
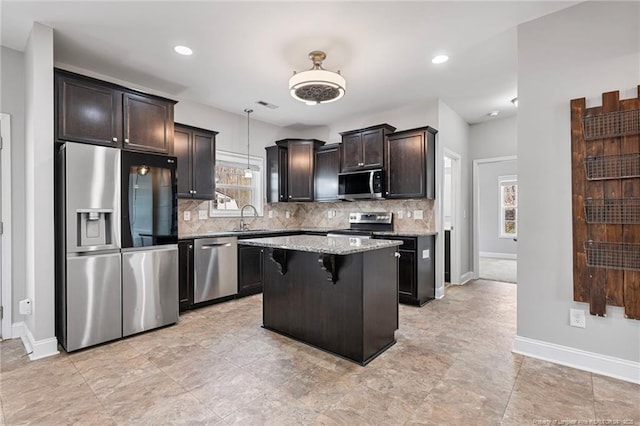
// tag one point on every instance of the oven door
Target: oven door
(149, 200)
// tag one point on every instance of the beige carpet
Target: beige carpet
(498, 269)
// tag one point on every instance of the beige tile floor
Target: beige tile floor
(452, 365)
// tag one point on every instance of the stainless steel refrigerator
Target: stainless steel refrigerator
(108, 285)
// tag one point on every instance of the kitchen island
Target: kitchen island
(338, 294)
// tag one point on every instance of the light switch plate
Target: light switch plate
(426, 254)
(186, 215)
(270, 214)
(400, 214)
(202, 214)
(329, 214)
(417, 214)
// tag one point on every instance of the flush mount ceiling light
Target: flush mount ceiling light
(317, 85)
(440, 59)
(514, 101)
(183, 50)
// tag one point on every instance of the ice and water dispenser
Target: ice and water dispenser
(94, 227)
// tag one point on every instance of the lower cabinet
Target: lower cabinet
(250, 269)
(185, 275)
(416, 269)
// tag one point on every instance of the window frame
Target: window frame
(504, 181)
(257, 196)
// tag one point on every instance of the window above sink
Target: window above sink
(233, 189)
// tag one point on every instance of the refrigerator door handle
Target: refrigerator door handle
(165, 247)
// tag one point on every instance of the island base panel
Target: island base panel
(355, 318)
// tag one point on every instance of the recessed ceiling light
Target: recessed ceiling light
(440, 59)
(183, 50)
(494, 113)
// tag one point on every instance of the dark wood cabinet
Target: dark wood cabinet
(410, 164)
(276, 174)
(148, 123)
(185, 275)
(249, 270)
(416, 269)
(327, 167)
(290, 167)
(195, 149)
(97, 112)
(364, 148)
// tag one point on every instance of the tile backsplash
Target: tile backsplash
(310, 215)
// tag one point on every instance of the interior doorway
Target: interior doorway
(451, 183)
(5, 225)
(495, 182)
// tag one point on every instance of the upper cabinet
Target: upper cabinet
(97, 112)
(364, 148)
(290, 168)
(327, 168)
(410, 164)
(195, 149)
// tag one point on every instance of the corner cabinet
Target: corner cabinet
(290, 170)
(196, 150)
(327, 164)
(92, 111)
(410, 163)
(364, 148)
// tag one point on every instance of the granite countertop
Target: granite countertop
(252, 232)
(318, 244)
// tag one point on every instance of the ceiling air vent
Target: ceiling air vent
(267, 104)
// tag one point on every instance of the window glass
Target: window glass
(508, 187)
(233, 188)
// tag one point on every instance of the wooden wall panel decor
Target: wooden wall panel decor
(605, 146)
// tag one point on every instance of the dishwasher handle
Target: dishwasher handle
(214, 245)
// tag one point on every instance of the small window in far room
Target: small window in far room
(508, 208)
(233, 188)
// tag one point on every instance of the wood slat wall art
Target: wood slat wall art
(605, 146)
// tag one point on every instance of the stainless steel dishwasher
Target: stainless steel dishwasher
(215, 267)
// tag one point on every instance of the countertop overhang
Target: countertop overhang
(318, 244)
(255, 233)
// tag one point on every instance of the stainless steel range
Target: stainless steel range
(364, 224)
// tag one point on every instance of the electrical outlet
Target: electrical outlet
(425, 254)
(418, 214)
(287, 214)
(577, 318)
(400, 214)
(186, 215)
(202, 214)
(329, 214)
(270, 214)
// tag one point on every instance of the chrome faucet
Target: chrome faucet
(243, 226)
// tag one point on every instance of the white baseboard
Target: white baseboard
(509, 256)
(576, 358)
(439, 292)
(466, 277)
(36, 349)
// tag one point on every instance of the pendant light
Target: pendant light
(248, 173)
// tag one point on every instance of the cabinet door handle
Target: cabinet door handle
(114, 139)
(126, 140)
(289, 196)
(397, 254)
(195, 192)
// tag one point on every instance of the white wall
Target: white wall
(489, 211)
(39, 156)
(579, 52)
(493, 138)
(12, 102)
(454, 135)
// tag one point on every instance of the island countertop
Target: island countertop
(318, 244)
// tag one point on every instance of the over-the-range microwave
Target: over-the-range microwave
(366, 184)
